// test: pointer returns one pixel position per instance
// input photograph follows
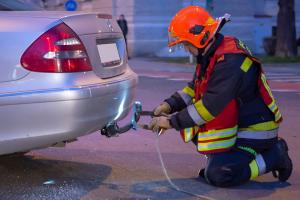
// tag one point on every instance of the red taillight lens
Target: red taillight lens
(57, 50)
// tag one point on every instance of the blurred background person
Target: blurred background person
(123, 25)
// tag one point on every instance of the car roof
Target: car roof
(42, 14)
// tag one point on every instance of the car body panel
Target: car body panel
(102, 31)
(41, 109)
(67, 113)
(15, 38)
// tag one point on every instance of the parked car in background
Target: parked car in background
(62, 75)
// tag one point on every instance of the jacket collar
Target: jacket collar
(215, 45)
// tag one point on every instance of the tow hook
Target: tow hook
(112, 128)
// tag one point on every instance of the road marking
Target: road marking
(153, 76)
(283, 77)
(171, 76)
(286, 80)
(179, 79)
(277, 73)
(284, 90)
(165, 77)
(278, 77)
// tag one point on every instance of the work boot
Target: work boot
(284, 166)
(201, 173)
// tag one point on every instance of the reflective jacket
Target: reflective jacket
(218, 132)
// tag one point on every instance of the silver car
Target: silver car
(62, 75)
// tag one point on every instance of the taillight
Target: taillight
(57, 50)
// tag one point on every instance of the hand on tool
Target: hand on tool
(164, 107)
(160, 124)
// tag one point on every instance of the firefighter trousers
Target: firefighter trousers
(229, 168)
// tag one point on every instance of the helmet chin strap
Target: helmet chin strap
(203, 51)
(200, 52)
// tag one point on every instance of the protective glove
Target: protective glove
(158, 123)
(164, 107)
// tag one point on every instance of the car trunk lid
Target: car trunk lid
(103, 40)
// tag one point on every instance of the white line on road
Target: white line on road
(283, 77)
(153, 76)
(286, 80)
(179, 79)
(285, 90)
(279, 74)
(278, 77)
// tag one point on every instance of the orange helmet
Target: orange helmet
(194, 25)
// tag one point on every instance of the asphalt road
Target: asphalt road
(128, 167)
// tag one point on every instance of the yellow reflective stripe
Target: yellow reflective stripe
(188, 134)
(277, 116)
(189, 91)
(214, 145)
(246, 64)
(254, 169)
(204, 113)
(214, 134)
(272, 106)
(264, 80)
(264, 126)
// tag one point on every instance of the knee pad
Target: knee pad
(221, 176)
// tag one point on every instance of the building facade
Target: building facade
(148, 19)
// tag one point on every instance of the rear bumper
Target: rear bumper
(39, 118)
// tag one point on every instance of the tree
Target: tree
(286, 45)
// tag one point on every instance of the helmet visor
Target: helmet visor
(176, 47)
(173, 40)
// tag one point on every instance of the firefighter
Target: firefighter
(227, 110)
